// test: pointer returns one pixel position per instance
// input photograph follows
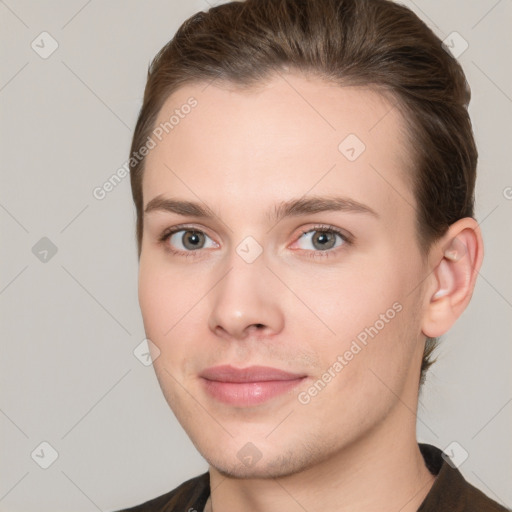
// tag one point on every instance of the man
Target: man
(303, 174)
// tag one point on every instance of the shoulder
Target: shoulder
(451, 491)
(477, 501)
(190, 496)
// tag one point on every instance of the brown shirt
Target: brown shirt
(450, 492)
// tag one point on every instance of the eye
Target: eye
(322, 239)
(187, 240)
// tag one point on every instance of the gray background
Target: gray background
(71, 322)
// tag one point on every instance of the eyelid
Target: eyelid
(347, 238)
(166, 233)
(345, 235)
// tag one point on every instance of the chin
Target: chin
(277, 465)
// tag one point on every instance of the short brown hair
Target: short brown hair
(374, 43)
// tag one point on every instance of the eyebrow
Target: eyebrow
(291, 208)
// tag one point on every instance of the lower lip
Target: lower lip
(249, 393)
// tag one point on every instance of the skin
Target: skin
(296, 308)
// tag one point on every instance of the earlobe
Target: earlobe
(459, 255)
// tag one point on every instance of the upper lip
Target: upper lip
(228, 373)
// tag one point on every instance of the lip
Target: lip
(249, 386)
(228, 373)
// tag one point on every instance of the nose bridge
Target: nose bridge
(242, 298)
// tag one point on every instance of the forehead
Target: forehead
(289, 136)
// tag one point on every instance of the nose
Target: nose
(246, 301)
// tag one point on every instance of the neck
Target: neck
(384, 471)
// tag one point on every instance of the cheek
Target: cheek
(150, 291)
(370, 312)
(157, 298)
(169, 302)
(350, 298)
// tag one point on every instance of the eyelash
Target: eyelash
(347, 240)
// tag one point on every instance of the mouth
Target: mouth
(245, 387)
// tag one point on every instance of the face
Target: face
(299, 255)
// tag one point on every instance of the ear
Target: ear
(456, 259)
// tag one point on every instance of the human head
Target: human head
(239, 154)
(376, 44)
